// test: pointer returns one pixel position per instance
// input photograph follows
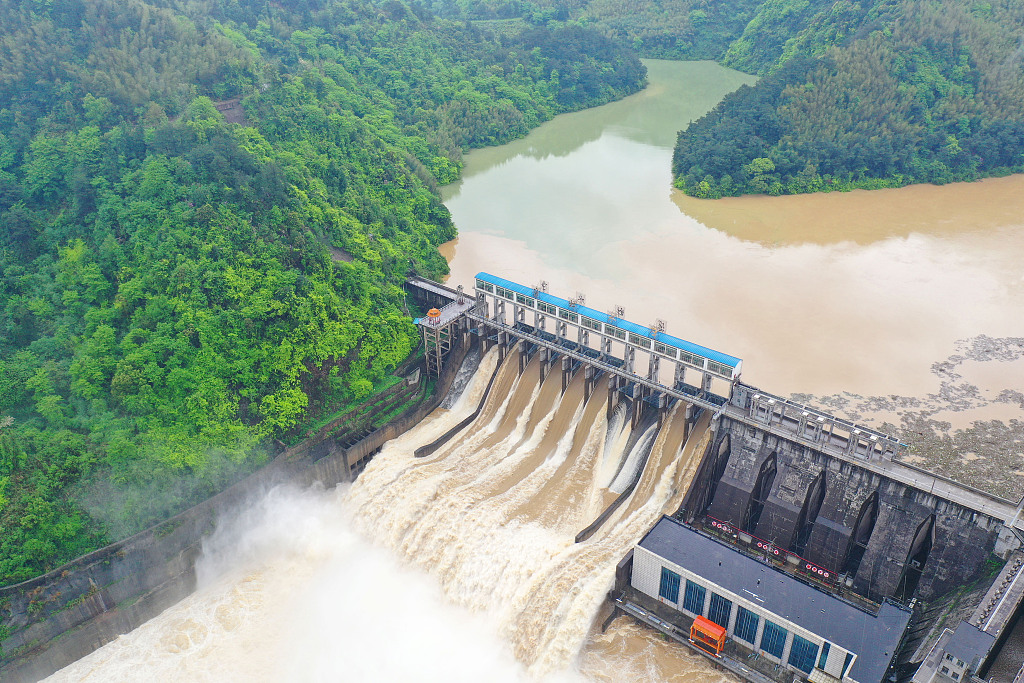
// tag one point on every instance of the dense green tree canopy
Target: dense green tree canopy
(864, 95)
(208, 209)
(880, 93)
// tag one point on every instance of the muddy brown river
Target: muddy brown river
(899, 306)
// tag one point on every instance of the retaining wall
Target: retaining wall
(59, 617)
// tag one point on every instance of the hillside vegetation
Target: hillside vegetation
(869, 97)
(865, 93)
(169, 303)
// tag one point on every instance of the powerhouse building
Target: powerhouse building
(771, 614)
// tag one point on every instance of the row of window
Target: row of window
(719, 368)
(610, 330)
(639, 341)
(803, 654)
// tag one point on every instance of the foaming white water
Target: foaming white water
(614, 446)
(463, 515)
(297, 588)
(630, 469)
(291, 593)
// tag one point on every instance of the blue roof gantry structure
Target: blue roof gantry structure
(718, 363)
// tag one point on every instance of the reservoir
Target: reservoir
(462, 566)
(860, 292)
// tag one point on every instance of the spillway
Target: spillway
(490, 517)
(493, 514)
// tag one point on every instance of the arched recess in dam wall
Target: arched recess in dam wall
(55, 619)
(889, 513)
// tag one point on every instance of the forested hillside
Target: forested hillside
(865, 93)
(868, 96)
(208, 208)
(666, 29)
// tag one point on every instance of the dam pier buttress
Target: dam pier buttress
(820, 504)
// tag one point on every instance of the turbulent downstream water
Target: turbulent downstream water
(898, 305)
(293, 590)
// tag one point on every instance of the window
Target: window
(664, 350)
(524, 299)
(691, 359)
(802, 654)
(846, 664)
(746, 625)
(945, 670)
(694, 599)
(639, 341)
(956, 676)
(485, 286)
(720, 610)
(824, 654)
(719, 368)
(773, 640)
(568, 315)
(614, 332)
(547, 308)
(669, 585)
(592, 324)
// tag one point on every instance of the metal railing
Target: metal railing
(704, 400)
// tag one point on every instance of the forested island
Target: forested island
(208, 210)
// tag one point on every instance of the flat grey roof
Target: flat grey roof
(873, 638)
(969, 644)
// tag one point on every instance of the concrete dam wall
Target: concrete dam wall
(883, 537)
(55, 619)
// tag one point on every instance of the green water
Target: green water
(590, 176)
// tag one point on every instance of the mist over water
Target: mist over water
(460, 566)
(290, 592)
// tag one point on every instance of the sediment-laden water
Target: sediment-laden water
(898, 305)
(458, 566)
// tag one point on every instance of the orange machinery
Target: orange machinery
(708, 636)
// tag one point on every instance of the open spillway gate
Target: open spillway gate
(634, 359)
(822, 474)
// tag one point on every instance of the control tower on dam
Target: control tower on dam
(826, 501)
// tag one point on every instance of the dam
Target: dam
(599, 510)
(827, 505)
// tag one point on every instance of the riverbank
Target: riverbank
(54, 619)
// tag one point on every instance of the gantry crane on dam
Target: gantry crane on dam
(505, 311)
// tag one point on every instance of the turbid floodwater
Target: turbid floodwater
(904, 305)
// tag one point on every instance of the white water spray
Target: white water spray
(298, 588)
